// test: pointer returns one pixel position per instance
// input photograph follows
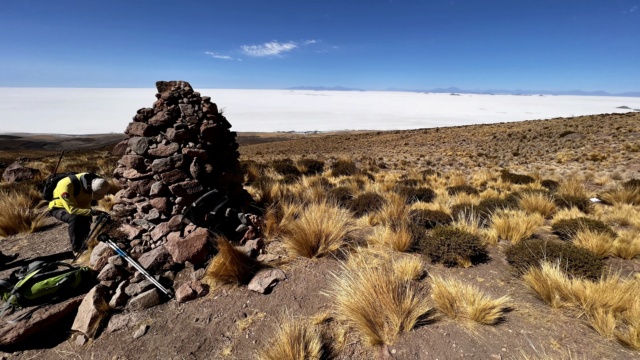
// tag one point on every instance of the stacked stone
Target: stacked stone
(177, 150)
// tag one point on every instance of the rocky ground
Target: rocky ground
(232, 322)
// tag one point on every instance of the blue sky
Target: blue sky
(410, 44)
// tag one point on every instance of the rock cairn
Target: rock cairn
(177, 150)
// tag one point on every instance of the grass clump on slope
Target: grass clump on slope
(453, 247)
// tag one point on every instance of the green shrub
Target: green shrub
(516, 178)
(311, 166)
(451, 247)
(290, 178)
(565, 133)
(428, 172)
(549, 184)
(569, 201)
(631, 184)
(285, 167)
(577, 262)
(343, 168)
(415, 194)
(366, 203)
(490, 205)
(407, 182)
(467, 189)
(567, 228)
(341, 195)
(429, 219)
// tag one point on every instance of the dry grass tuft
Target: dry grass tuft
(513, 225)
(294, 340)
(627, 244)
(601, 244)
(622, 195)
(321, 229)
(378, 302)
(230, 266)
(610, 305)
(538, 203)
(399, 239)
(20, 212)
(464, 302)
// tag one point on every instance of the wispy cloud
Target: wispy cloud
(274, 48)
(633, 9)
(219, 56)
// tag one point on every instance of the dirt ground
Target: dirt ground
(232, 322)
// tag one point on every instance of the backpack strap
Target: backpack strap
(76, 184)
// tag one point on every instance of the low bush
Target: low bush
(311, 166)
(429, 219)
(576, 261)
(453, 247)
(366, 203)
(569, 201)
(517, 179)
(466, 189)
(567, 228)
(285, 167)
(340, 195)
(550, 185)
(343, 167)
(415, 194)
(631, 184)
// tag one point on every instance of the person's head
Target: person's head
(99, 188)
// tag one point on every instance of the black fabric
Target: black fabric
(79, 227)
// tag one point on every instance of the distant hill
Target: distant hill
(324, 88)
(486, 92)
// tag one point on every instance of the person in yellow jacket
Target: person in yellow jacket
(72, 200)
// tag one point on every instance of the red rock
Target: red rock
(91, 312)
(173, 176)
(159, 231)
(193, 248)
(162, 204)
(132, 232)
(132, 162)
(165, 150)
(140, 129)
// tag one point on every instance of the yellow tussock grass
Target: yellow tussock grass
(20, 212)
(622, 195)
(276, 216)
(598, 243)
(470, 222)
(230, 265)
(620, 214)
(514, 225)
(482, 177)
(536, 203)
(394, 212)
(573, 185)
(377, 302)
(320, 229)
(567, 214)
(398, 239)
(627, 244)
(294, 340)
(466, 302)
(611, 305)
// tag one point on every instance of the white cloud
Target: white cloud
(218, 56)
(273, 48)
(633, 9)
(309, 42)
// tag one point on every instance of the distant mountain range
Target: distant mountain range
(485, 92)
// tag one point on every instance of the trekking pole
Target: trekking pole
(101, 222)
(105, 238)
(55, 170)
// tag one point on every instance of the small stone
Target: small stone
(81, 339)
(266, 279)
(142, 330)
(145, 300)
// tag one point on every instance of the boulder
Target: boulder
(266, 279)
(193, 248)
(91, 312)
(16, 173)
(155, 259)
(190, 290)
(40, 321)
(99, 250)
(120, 297)
(147, 299)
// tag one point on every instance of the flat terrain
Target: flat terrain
(232, 322)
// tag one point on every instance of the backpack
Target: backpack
(41, 283)
(51, 182)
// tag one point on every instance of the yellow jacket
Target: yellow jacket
(63, 197)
